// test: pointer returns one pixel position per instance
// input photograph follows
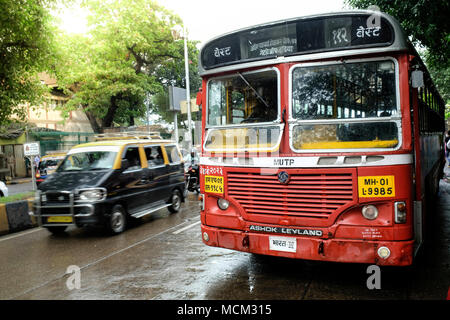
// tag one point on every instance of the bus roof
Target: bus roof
(311, 37)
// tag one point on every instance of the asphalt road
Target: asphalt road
(19, 188)
(163, 257)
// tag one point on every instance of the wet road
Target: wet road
(19, 188)
(163, 257)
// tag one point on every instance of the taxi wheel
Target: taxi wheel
(176, 201)
(117, 220)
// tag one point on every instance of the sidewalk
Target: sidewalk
(19, 180)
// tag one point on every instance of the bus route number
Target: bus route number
(376, 186)
(214, 184)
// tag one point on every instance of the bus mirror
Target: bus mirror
(417, 79)
(199, 98)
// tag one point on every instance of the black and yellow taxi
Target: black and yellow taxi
(106, 182)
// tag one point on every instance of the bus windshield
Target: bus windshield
(243, 98)
(355, 104)
(237, 106)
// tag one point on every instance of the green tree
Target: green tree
(172, 73)
(26, 48)
(110, 71)
(427, 23)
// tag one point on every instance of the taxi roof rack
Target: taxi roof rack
(133, 135)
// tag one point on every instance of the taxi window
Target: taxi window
(154, 156)
(172, 154)
(134, 160)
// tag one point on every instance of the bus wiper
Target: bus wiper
(256, 92)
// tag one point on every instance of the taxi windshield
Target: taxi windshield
(88, 161)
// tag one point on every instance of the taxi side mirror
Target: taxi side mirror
(125, 164)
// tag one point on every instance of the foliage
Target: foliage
(172, 73)
(26, 46)
(17, 197)
(110, 71)
(427, 23)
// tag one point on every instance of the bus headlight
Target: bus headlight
(400, 212)
(369, 212)
(384, 252)
(223, 204)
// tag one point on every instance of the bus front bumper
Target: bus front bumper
(400, 253)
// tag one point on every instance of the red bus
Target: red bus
(321, 140)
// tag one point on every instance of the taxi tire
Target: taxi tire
(116, 222)
(175, 200)
(56, 230)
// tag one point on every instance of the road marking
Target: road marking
(98, 260)
(24, 233)
(187, 227)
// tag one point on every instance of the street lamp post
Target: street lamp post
(188, 93)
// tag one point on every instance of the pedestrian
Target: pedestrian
(36, 161)
(11, 166)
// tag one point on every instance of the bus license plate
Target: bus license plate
(282, 244)
(376, 186)
(214, 184)
(63, 219)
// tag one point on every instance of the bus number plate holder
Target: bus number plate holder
(285, 244)
(214, 184)
(376, 186)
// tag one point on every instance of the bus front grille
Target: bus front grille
(311, 195)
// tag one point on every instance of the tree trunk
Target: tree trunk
(93, 121)
(109, 117)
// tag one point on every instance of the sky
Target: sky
(206, 19)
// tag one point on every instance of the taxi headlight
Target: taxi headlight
(223, 204)
(92, 195)
(369, 212)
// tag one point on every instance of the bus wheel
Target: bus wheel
(56, 230)
(176, 202)
(117, 220)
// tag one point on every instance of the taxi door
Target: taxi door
(156, 173)
(131, 180)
